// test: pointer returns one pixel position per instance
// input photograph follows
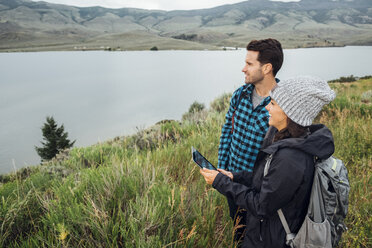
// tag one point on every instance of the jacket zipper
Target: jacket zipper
(261, 230)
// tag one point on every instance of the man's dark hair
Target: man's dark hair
(269, 51)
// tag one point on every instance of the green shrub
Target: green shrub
(366, 77)
(350, 78)
(196, 107)
(222, 103)
(196, 112)
(367, 96)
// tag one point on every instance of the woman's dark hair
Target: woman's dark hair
(269, 51)
(293, 130)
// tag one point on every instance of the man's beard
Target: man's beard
(254, 80)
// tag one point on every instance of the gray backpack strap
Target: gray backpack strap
(290, 236)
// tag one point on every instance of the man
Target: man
(247, 119)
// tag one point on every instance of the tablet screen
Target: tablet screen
(200, 160)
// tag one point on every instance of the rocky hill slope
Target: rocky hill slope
(28, 25)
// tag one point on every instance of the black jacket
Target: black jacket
(287, 185)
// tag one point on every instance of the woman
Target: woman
(293, 144)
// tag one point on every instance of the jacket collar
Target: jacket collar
(318, 143)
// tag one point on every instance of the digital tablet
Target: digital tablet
(200, 160)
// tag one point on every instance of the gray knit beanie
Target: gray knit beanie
(302, 98)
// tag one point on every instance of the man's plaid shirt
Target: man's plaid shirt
(238, 150)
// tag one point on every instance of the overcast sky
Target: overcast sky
(152, 4)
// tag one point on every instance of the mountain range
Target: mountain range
(28, 25)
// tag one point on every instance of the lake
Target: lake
(100, 95)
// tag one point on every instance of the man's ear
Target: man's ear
(267, 68)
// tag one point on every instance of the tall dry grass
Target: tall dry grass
(144, 190)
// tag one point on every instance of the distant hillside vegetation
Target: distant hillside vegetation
(29, 25)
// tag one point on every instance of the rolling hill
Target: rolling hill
(28, 25)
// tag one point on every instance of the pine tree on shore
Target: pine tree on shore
(54, 140)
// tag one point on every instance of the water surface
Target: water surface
(100, 95)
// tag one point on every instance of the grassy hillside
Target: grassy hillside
(144, 190)
(41, 26)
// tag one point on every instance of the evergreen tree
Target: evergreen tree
(55, 140)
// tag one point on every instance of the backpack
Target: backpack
(324, 222)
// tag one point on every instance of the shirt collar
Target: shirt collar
(249, 87)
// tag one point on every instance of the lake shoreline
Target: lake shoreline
(111, 94)
(152, 128)
(80, 48)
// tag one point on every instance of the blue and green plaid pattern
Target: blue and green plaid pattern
(238, 150)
